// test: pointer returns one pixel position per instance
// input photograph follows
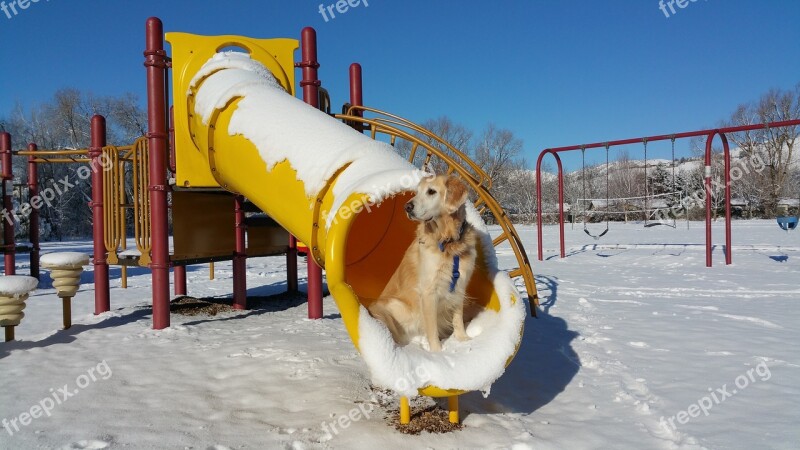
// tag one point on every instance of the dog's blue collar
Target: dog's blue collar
(456, 259)
(456, 273)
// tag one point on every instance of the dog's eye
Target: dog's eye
(431, 192)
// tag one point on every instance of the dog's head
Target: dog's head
(437, 196)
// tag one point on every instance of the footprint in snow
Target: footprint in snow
(638, 344)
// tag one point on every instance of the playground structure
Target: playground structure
(709, 134)
(215, 178)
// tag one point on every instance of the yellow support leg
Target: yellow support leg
(405, 411)
(124, 277)
(9, 333)
(211, 270)
(452, 407)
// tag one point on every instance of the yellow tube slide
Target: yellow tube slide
(344, 197)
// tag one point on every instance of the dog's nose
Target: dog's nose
(409, 207)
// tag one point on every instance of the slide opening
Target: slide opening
(377, 240)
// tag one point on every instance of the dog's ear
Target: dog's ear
(456, 194)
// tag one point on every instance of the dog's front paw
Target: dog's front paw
(461, 336)
(435, 346)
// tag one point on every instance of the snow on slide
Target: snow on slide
(283, 128)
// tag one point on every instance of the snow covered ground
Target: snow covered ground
(628, 334)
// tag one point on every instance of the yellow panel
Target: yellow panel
(189, 53)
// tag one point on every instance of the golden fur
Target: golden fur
(417, 300)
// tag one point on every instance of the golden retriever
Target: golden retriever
(426, 294)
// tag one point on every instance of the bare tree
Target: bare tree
(774, 146)
(454, 134)
(63, 123)
(497, 150)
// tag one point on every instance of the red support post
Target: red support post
(33, 218)
(709, 193)
(539, 239)
(173, 167)
(156, 66)
(291, 265)
(356, 86)
(310, 84)
(540, 250)
(239, 255)
(179, 275)
(727, 177)
(9, 246)
(356, 94)
(727, 156)
(102, 295)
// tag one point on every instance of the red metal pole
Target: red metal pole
(310, 84)
(560, 202)
(727, 154)
(356, 87)
(179, 275)
(560, 205)
(539, 240)
(172, 163)
(9, 247)
(156, 65)
(291, 265)
(239, 256)
(102, 295)
(33, 219)
(707, 174)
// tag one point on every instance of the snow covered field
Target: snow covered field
(629, 334)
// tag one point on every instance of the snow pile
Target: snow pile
(283, 128)
(472, 365)
(65, 259)
(17, 285)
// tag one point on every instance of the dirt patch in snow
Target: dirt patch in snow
(190, 306)
(211, 306)
(426, 414)
(431, 418)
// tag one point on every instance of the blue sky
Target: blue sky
(554, 72)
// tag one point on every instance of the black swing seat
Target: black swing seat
(655, 224)
(787, 223)
(586, 230)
